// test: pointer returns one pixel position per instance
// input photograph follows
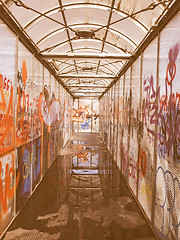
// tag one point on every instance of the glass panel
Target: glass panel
(7, 85)
(109, 118)
(120, 109)
(44, 108)
(84, 115)
(7, 191)
(75, 120)
(53, 118)
(167, 201)
(146, 150)
(125, 126)
(37, 89)
(134, 123)
(95, 116)
(24, 131)
(25, 158)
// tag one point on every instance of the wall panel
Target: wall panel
(34, 110)
(134, 124)
(167, 198)
(7, 88)
(149, 130)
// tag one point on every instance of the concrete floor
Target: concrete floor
(82, 197)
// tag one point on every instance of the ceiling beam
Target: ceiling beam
(86, 97)
(88, 92)
(78, 76)
(74, 56)
(86, 86)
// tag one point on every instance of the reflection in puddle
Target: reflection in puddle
(83, 197)
(21, 234)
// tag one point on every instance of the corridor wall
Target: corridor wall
(34, 123)
(140, 123)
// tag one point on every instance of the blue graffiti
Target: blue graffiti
(85, 124)
(26, 174)
(167, 202)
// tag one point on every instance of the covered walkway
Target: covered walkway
(90, 119)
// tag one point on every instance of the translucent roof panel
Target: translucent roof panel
(86, 42)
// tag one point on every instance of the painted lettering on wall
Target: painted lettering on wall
(167, 116)
(167, 204)
(7, 128)
(8, 184)
(80, 114)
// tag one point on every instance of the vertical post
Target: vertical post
(140, 124)
(32, 155)
(114, 120)
(129, 121)
(122, 133)
(92, 107)
(117, 121)
(155, 139)
(15, 121)
(42, 127)
(72, 122)
(78, 122)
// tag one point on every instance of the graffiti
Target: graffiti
(25, 159)
(27, 166)
(36, 166)
(142, 162)
(80, 114)
(6, 115)
(124, 154)
(50, 110)
(146, 190)
(132, 167)
(8, 184)
(167, 116)
(95, 118)
(85, 124)
(167, 204)
(149, 107)
(28, 123)
(82, 157)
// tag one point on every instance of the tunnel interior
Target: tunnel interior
(90, 119)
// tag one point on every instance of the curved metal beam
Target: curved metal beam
(93, 63)
(83, 39)
(78, 76)
(70, 6)
(113, 30)
(74, 56)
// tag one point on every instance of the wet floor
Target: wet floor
(82, 197)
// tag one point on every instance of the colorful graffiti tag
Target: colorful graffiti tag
(80, 114)
(167, 204)
(7, 128)
(167, 115)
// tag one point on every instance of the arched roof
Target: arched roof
(86, 42)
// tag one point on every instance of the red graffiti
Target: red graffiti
(80, 114)
(83, 157)
(6, 121)
(166, 100)
(132, 168)
(7, 191)
(142, 162)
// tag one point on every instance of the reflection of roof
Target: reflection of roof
(84, 189)
(86, 43)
